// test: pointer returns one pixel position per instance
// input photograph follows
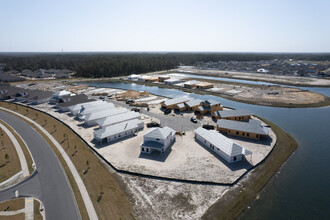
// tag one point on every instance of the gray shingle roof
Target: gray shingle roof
(253, 126)
(175, 101)
(118, 117)
(194, 102)
(212, 102)
(75, 100)
(117, 128)
(159, 133)
(218, 140)
(232, 113)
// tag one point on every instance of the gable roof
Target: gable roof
(220, 141)
(175, 101)
(212, 102)
(231, 113)
(253, 126)
(75, 100)
(159, 133)
(194, 102)
(118, 116)
(117, 128)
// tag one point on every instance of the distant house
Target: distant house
(171, 103)
(133, 76)
(204, 85)
(118, 131)
(97, 107)
(57, 95)
(180, 107)
(143, 78)
(208, 106)
(162, 78)
(237, 115)
(172, 81)
(221, 145)
(151, 79)
(251, 129)
(66, 101)
(191, 84)
(157, 139)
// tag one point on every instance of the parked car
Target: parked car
(101, 97)
(129, 101)
(194, 120)
(167, 111)
(136, 109)
(208, 127)
(153, 124)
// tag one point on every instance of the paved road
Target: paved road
(48, 183)
(177, 122)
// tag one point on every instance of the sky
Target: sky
(165, 25)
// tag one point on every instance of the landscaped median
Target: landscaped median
(236, 200)
(103, 187)
(17, 162)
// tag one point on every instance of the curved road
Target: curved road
(48, 183)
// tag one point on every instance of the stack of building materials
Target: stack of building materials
(162, 78)
(204, 85)
(114, 132)
(115, 119)
(191, 84)
(221, 145)
(251, 129)
(157, 139)
(92, 118)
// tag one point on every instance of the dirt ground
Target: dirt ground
(289, 80)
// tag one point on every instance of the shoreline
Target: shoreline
(324, 103)
(227, 76)
(236, 200)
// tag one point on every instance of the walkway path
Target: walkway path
(82, 188)
(29, 208)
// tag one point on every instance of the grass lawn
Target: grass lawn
(13, 205)
(37, 214)
(20, 216)
(236, 200)
(104, 188)
(9, 161)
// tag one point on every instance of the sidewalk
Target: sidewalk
(82, 188)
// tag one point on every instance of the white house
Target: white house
(94, 108)
(157, 139)
(92, 118)
(115, 118)
(133, 76)
(221, 145)
(57, 95)
(117, 131)
(142, 78)
(172, 81)
(77, 107)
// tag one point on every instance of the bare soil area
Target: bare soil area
(286, 80)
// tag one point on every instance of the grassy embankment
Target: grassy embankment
(104, 188)
(9, 161)
(11, 166)
(13, 205)
(326, 102)
(236, 200)
(36, 211)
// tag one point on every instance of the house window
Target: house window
(248, 134)
(235, 118)
(142, 148)
(235, 158)
(243, 134)
(257, 135)
(147, 149)
(204, 141)
(237, 132)
(157, 139)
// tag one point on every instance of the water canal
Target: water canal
(300, 189)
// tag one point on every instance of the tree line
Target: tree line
(96, 65)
